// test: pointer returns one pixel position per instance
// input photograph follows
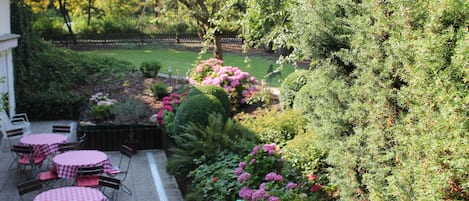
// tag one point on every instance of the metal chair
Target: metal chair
(25, 157)
(123, 168)
(110, 183)
(28, 186)
(68, 146)
(63, 129)
(48, 178)
(89, 176)
(10, 135)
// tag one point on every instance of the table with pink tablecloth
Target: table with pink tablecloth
(71, 193)
(66, 164)
(44, 144)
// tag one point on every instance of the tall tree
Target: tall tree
(213, 16)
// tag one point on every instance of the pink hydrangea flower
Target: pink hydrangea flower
(291, 185)
(244, 177)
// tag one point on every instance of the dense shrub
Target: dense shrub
(274, 126)
(292, 84)
(158, 89)
(215, 181)
(264, 175)
(239, 85)
(388, 95)
(130, 111)
(196, 109)
(201, 143)
(150, 69)
(217, 91)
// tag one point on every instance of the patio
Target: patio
(147, 177)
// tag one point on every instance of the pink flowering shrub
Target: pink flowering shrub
(264, 175)
(238, 84)
(165, 115)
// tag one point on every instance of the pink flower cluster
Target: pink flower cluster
(273, 177)
(169, 104)
(237, 83)
(273, 186)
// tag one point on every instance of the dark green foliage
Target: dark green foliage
(303, 154)
(46, 78)
(196, 109)
(131, 111)
(388, 99)
(200, 143)
(217, 91)
(216, 181)
(292, 84)
(150, 69)
(159, 89)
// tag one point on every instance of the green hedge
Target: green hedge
(217, 91)
(292, 83)
(196, 109)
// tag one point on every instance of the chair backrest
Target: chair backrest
(29, 186)
(61, 129)
(68, 146)
(23, 149)
(125, 152)
(90, 171)
(109, 182)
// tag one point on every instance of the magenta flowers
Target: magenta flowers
(238, 84)
(263, 177)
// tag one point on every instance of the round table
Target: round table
(71, 193)
(44, 144)
(66, 164)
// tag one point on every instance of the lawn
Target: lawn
(180, 61)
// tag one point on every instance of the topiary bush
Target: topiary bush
(196, 109)
(217, 91)
(291, 85)
(150, 69)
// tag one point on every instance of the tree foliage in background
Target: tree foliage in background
(388, 94)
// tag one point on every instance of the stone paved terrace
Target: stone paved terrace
(147, 177)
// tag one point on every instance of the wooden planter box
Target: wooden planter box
(111, 137)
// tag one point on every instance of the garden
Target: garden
(380, 112)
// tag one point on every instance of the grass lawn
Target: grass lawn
(181, 61)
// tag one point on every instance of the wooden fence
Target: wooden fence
(141, 39)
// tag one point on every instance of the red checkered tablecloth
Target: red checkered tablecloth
(66, 164)
(71, 193)
(44, 144)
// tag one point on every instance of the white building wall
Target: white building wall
(4, 17)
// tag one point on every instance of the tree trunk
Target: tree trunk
(89, 12)
(67, 20)
(217, 50)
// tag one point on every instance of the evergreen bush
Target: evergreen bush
(150, 69)
(217, 91)
(159, 89)
(196, 109)
(292, 84)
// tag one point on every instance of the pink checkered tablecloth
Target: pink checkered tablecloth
(66, 164)
(71, 193)
(44, 144)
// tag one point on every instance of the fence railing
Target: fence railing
(110, 39)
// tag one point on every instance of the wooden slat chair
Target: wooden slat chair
(89, 176)
(28, 187)
(25, 157)
(10, 135)
(109, 182)
(63, 129)
(68, 146)
(48, 178)
(123, 168)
